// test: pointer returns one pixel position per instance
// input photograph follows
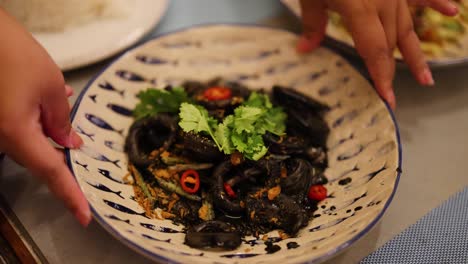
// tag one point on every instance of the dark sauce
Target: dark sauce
(292, 245)
(271, 248)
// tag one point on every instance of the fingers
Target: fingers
(38, 155)
(314, 20)
(68, 90)
(446, 7)
(55, 119)
(371, 43)
(388, 18)
(409, 45)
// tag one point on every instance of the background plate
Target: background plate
(90, 43)
(344, 42)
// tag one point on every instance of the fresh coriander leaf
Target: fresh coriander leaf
(245, 118)
(195, 118)
(258, 100)
(223, 135)
(239, 141)
(153, 101)
(273, 121)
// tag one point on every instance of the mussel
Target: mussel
(148, 134)
(304, 114)
(291, 98)
(286, 145)
(213, 234)
(200, 148)
(282, 212)
(238, 94)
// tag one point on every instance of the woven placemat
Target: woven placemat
(439, 237)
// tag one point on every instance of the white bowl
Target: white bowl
(362, 129)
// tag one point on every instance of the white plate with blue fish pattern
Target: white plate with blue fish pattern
(363, 146)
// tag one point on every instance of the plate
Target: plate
(363, 144)
(456, 55)
(80, 46)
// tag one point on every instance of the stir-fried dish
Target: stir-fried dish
(433, 29)
(226, 161)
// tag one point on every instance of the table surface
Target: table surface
(433, 124)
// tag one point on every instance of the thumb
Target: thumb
(56, 121)
(314, 22)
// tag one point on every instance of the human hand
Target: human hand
(33, 107)
(377, 27)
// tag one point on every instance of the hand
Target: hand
(33, 107)
(377, 27)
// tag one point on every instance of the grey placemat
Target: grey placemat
(439, 237)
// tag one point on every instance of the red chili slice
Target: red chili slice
(217, 93)
(317, 193)
(230, 192)
(190, 181)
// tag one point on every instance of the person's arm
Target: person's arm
(377, 27)
(33, 107)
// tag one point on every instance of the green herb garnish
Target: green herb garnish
(241, 131)
(153, 101)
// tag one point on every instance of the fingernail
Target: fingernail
(390, 97)
(454, 8)
(426, 77)
(68, 90)
(84, 217)
(74, 140)
(304, 44)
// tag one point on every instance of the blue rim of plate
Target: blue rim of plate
(155, 257)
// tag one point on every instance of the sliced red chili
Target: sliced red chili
(217, 93)
(230, 192)
(190, 181)
(317, 193)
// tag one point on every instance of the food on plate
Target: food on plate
(58, 15)
(227, 161)
(435, 30)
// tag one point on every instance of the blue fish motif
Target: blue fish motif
(281, 68)
(122, 110)
(180, 252)
(109, 87)
(123, 209)
(85, 166)
(114, 146)
(81, 131)
(113, 217)
(241, 256)
(308, 78)
(93, 97)
(106, 189)
(155, 239)
(154, 60)
(106, 174)
(99, 122)
(93, 154)
(261, 55)
(160, 228)
(130, 76)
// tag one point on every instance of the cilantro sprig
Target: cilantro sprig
(241, 131)
(154, 101)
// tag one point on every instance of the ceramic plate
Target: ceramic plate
(455, 55)
(95, 41)
(363, 146)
